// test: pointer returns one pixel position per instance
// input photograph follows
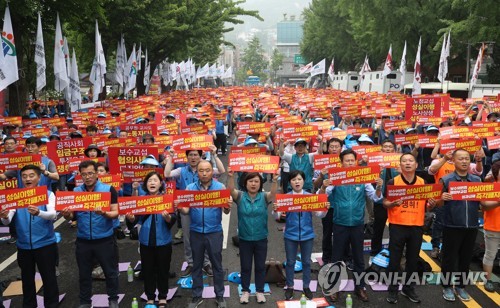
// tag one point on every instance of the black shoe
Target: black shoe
(392, 297)
(411, 295)
(289, 293)
(12, 240)
(208, 270)
(187, 272)
(196, 302)
(307, 292)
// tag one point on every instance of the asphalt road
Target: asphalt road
(68, 280)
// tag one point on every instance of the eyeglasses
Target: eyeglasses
(88, 175)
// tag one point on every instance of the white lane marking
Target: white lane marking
(225, 228)
(13, 258)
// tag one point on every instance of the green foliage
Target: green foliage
(254, 60)
(276, 60)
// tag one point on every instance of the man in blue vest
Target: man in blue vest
(95, 238)
(206, 236)
(36, 243)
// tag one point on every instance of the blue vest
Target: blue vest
(299, 225)
(187, 177)
(206, 220)
(90, 225)
(163, 235)
(44, 180)
(305, 166)
(458, 213)
(348, 203)
(33, 232)
(252, 217)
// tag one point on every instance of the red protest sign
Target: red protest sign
(384, 160)
(74, 162)
(198, 129)
(13, 121)
(406, 139)
(83, 201)
(359, 131)
(329, 134)
(143, 205)
(210, 198)
(294, 131)
(414, 192)
(397, 124)
(326, 161)
(474, 191)
(254, 163)
(62, 151)
(254, 127)
(137, 130)
(354, 175)
(248, 150)
(365, 149)
(426, 141)
(302, 203)
(8, 184)
(192, 142)
(23, 197)
(17, 161)
(131, 175)
(114, 180)
(470, 145)
(422, 107)
(455, 132)
(121, 158)
(493, 142)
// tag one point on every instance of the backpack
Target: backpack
(274, 273)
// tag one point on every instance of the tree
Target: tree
(276, 62)
(253, 60)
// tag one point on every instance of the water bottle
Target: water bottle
(130, 274)
(348, 301)
(135, 304)
(303, 301)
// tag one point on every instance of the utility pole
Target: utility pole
(468, 63)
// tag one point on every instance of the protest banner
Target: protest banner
(384, 160)
(483, 132)
(74, 162)
(425, 106)
(248, 150)
(353, 175)
(493, 142)
(329, 134)
(470, 145)
(206, 199)
(294, 131)
(397, 124)
(83, 201)
(427, 141)
(144, 205)
(359, 131)
(121, 158)
(8, 184)
(192, 142)
(254, 163)
(61, 151)
(17, 161)
(137, 130)
(456, 132)
(254, 127)
(302, 203)
(196, 130)
(114, 180)
(12, 121)
(474, 191)
(131, 175)
(413, 192)
(326, 161)
(426, 121)
(23, 197)
(406, 139)
(365, 149)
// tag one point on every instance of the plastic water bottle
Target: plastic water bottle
(135, 304)
(348, 301)
(130, 274)
(303, 301)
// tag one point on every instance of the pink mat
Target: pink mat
(297, 285)
(208, 292)
(170, 294)
(101, 300)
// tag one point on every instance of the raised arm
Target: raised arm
(230, 184)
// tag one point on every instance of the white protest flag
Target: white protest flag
(131, 71)
(74, 85)
(417, 74)
(8, 58)
(388, 63)
(139, 57)
(319, 68)
(60, 70)
(98, 67)
(67, 91)
(365, 68)
(119, 64)
(202, 71)
(212, 71)
(41, 66)
(146, 70)
(220, 71)
(442, 60)
(228, 73)
(305, 69)
(402, 68)
(331, 69)
(477, 67)
(192, 71)
(447, 53)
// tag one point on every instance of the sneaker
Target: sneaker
(187, 272)
(289, 293)
(448, 294)
(435, 252)
(178, 234)
(12, 240)
(307, 292)
(392, 298)
(261, 299)
(195, 302)
(462, 294)
(411, 295)
(489, 286)
(208, 270)
(244, 297)
(221, 302)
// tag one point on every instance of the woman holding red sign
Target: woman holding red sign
(252, 229)
(155, 243)
(298, 231)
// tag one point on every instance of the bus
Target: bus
(253, 80)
